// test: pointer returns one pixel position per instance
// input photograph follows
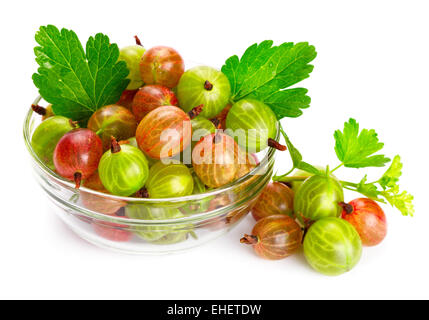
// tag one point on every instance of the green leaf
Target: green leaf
(355, 149)
(368, 189)
(391, 177)
(265, 70)
(402, 201)
(74, 82)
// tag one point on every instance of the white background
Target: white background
(372, 64)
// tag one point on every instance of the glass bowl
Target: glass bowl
(149, 226)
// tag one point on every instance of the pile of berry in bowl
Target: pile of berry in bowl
(139, 154)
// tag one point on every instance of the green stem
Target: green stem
(290, 178)
(349, 184)
(278, 178)
(337, 167)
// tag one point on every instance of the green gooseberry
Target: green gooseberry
(47, 135)
(332, 246)
(158, 234)
(123, 169)
(295, 185)
(204, 85)
(169, 181)
(201, 127)
(132, 56)
(317, 198)
(253, 125)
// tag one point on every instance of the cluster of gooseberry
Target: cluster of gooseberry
(164, 112)
(315, 215)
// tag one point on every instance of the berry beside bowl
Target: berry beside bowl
(148, 225)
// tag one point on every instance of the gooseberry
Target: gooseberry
(113, 120)
(246, 163)
(126, 99)
(162, 233)
(99, 203)
(169, 181)
(204, 85)
(317, 198)
(275, 199)
(368, 219)
(332, 246)
(151, 97)
(132, 55)
(47, 135)
(161, 65)
(112, 231)
(123, 169)
(215, 159)
(275, 237)
(253, 124)
(165, 131)
(77, 154)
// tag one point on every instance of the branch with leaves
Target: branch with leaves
(356, 149)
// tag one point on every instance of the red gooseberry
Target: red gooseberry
(161, 65)
(151, 97)
(368, 219)
(77, 154)
(215, 159)
(165, 131)
(276, 198)
(275, 237)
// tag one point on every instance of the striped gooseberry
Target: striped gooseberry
(246, 163)
(151, 97)
(113, 120)
(332, 246)
(253, 124)
(275, 237)
(77, 154)
(317, 198)
(215, 159)
(158, 234)
(47, 135)
(169, 181)
(123, 169)
(161, 65)
(165, 131)
(368, 219)
(204, 85)
(275, 199)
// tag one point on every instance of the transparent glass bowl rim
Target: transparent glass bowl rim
(194, 197)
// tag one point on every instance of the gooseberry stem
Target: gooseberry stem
(337, 167)
(195, 111)
(38, 109)
(276, 145)
(138, 42)
(249, 239)
(216, 122)
(142, 193)
(77, 179)
(348, 208)
(208, 86)
(115, 146)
